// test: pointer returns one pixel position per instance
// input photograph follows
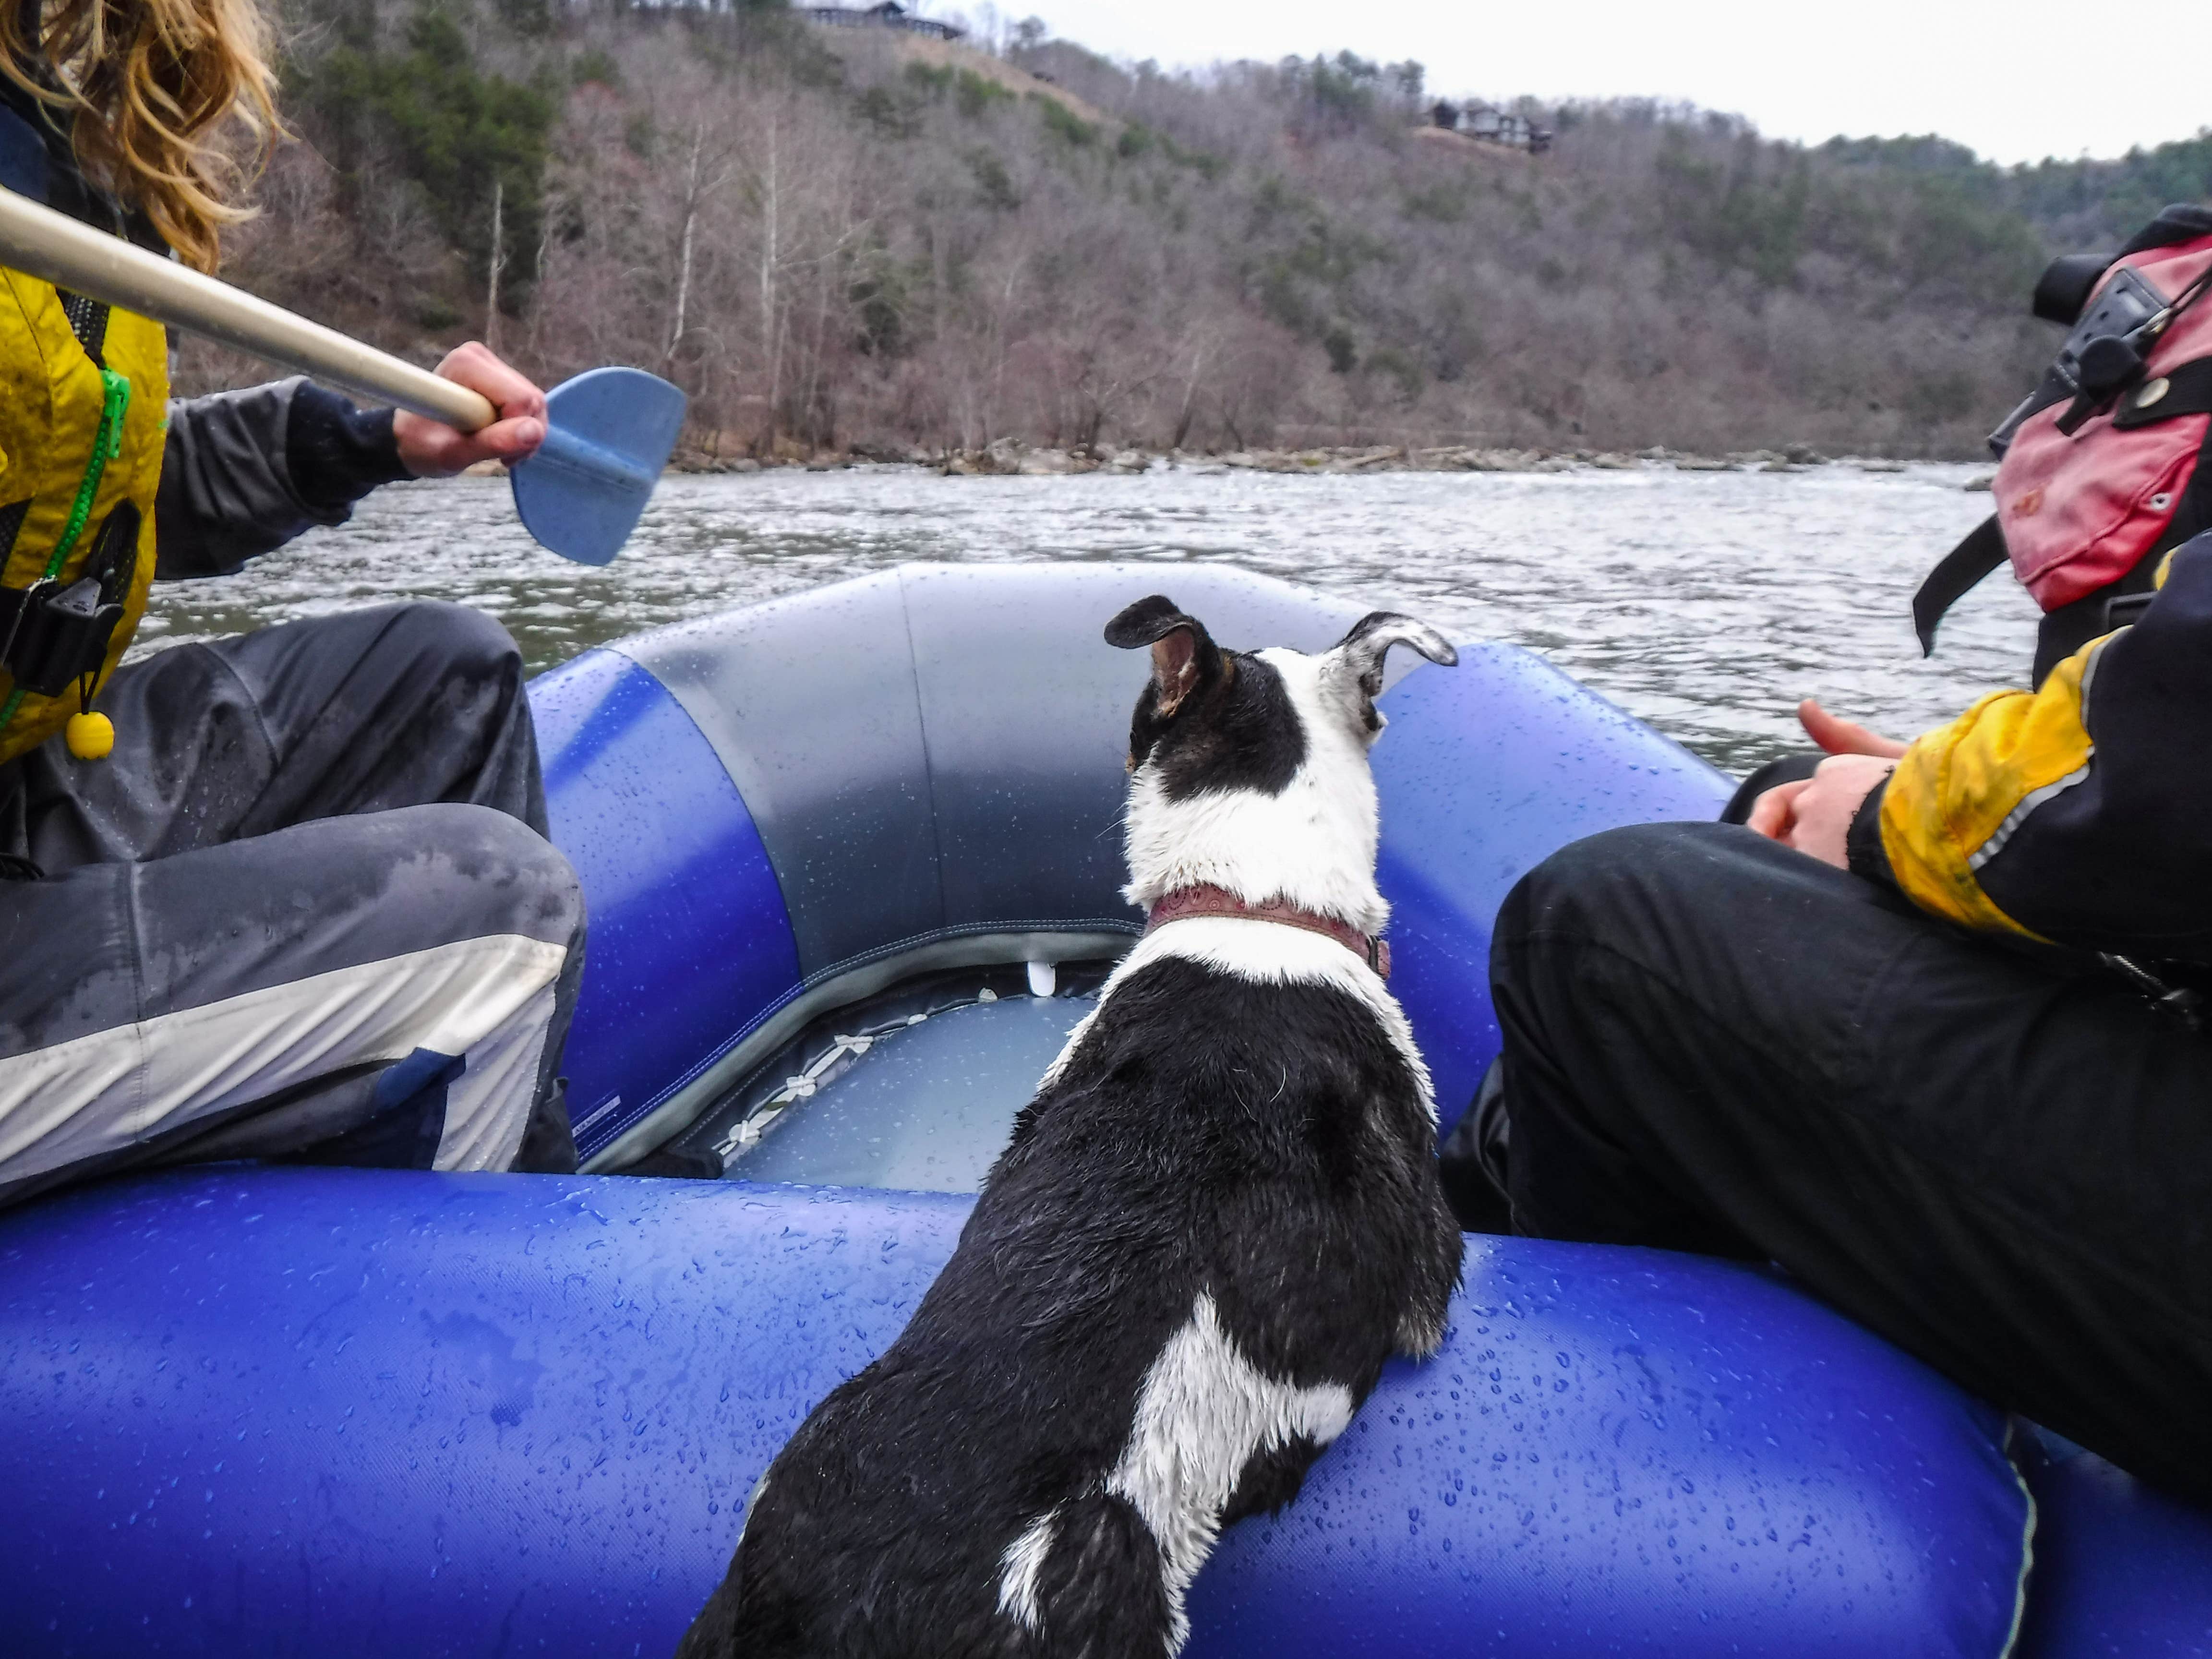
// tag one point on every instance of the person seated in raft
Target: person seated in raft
(1920, 1033)
(291, 897)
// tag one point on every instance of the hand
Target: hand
(1814, 816)
(431, 449)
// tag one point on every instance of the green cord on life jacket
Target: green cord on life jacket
(107, 446)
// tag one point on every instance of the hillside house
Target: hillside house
(888, 14)
(1493, 126)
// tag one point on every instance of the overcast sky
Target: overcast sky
(2017, 80)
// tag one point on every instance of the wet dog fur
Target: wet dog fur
(1217, 1219)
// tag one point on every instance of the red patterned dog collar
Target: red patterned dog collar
(1186, 903)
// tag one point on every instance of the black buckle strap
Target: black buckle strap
(2182, 1002)
(1964, 565)
(53, 636)
(2125, 610)
(2184, 391)
(2103, 363)
(2053, 388)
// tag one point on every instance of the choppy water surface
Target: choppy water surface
(1707, 603)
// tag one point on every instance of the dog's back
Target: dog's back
(1216, 1220)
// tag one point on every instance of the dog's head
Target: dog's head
(1248, 770)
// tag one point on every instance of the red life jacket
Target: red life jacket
(2101, 467)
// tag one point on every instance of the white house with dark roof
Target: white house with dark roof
(888, 15)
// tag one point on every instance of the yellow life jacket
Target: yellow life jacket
(81, 430)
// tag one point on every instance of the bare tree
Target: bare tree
(828, 239)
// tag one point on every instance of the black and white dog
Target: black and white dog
(1217, 1219)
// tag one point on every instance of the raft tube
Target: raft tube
(261, 1410)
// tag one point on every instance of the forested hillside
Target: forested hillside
(846, 239)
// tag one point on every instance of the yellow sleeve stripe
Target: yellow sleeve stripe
(2028, 802)
(1961, 793)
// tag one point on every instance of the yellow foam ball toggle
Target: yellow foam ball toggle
(89, 737)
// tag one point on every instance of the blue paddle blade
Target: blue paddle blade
(608, 434)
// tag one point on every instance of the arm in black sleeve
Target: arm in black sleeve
(1864, 855)
(245, 472)
(2114, 855)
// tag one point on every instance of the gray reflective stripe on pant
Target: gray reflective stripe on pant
(489, 1001)
(305, 910)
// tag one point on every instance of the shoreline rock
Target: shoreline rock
(1010, 458)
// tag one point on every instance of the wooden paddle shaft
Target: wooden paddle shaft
(58, 249)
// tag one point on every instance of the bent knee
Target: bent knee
(1705, 904)
(460, 638)
(495, 873)
(1636, 876)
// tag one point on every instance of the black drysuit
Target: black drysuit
(1991, 1147)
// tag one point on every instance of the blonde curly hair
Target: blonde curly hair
(171, 101)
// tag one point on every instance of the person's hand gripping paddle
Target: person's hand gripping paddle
(607, 432)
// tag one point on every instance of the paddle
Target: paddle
(607, 432)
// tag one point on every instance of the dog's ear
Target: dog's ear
(1184, 655)
(1369, 642)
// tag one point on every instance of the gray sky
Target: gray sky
(1992, 73)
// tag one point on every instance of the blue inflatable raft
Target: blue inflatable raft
(853, 861)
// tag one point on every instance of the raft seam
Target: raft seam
(2027, 1543)
(922, 727)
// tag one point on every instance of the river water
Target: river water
(1707, 603)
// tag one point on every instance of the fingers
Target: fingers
(1822, 816)
(506, 440)
(512, 394)
(429, 450)
(1774, 812)
(1841, 737)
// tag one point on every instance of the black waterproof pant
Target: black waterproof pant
(2001, 1162)
(306, 909)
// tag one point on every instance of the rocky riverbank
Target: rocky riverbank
(1010, 458)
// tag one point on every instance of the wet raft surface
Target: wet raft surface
(925, 1108)
(355, 1412)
